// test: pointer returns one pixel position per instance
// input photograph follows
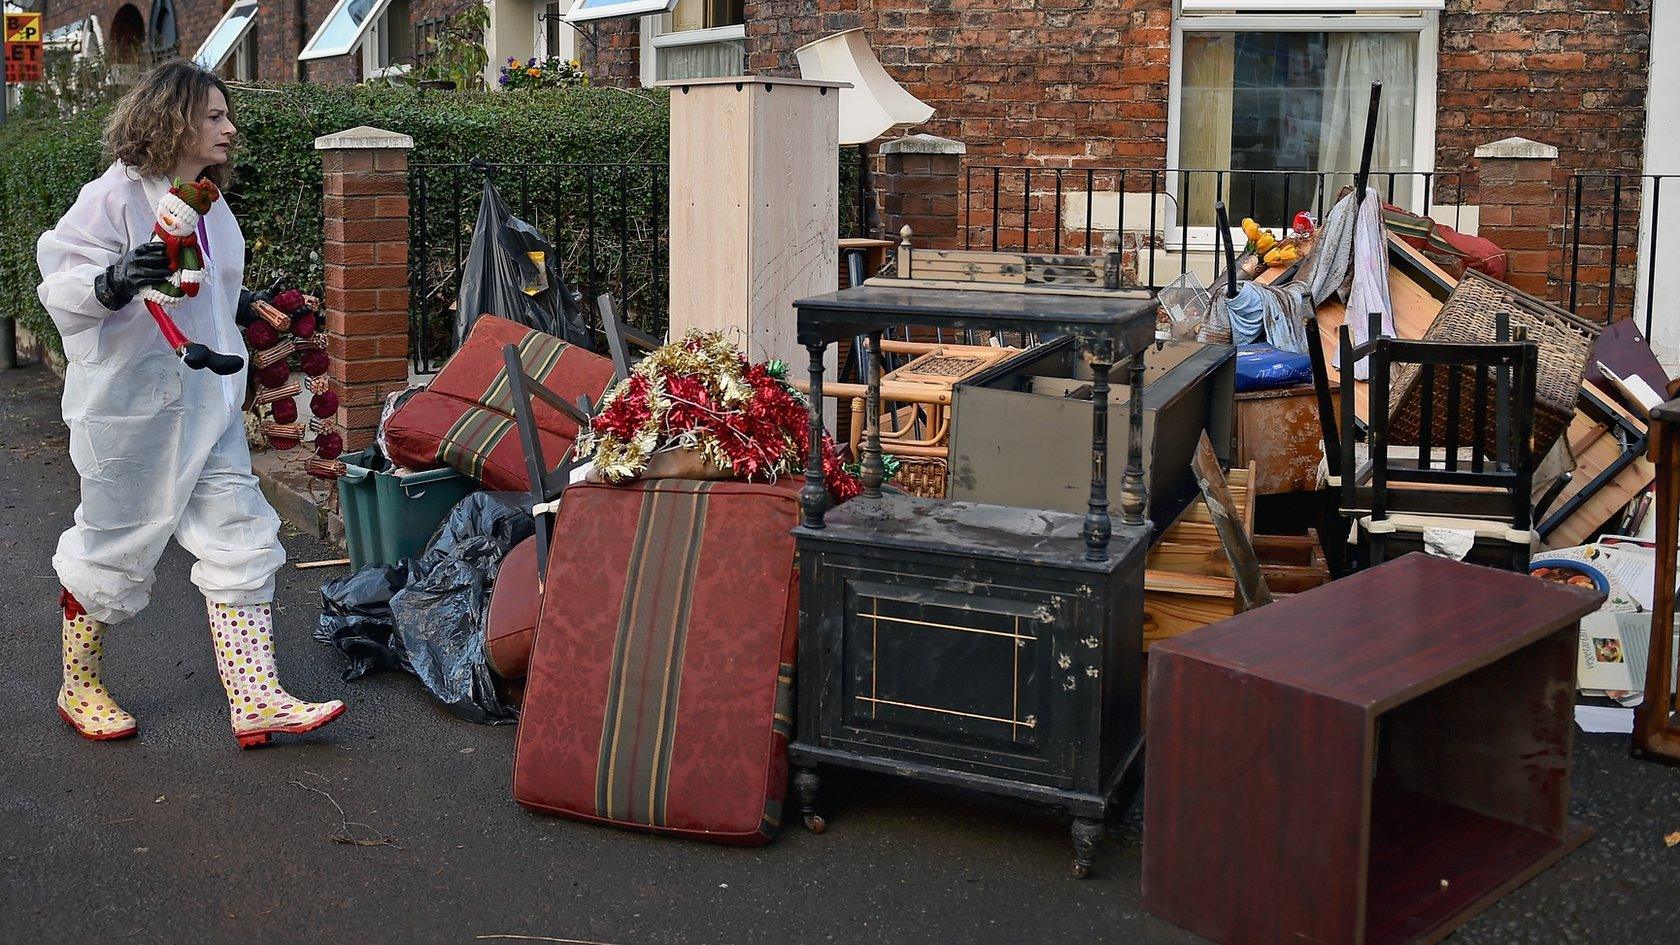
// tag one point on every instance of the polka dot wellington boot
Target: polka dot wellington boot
(245, 659)
(83, 700)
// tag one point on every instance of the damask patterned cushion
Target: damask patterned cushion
(659, 691)
(465, 416)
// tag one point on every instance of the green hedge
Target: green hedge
(277, 181)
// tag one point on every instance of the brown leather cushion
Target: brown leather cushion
(512, 622)
(659, 693)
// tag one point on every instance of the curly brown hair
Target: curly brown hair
(158, 120)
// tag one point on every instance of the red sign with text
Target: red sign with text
(23, 47)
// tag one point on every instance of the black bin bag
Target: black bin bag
(513, 272)
(427, 614)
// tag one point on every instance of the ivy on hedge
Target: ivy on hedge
(276, 190)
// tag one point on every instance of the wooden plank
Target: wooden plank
(1168, 615)
(1187, 558)
(990, 273)
(921, 257)
(895, 282)
(1251, 584)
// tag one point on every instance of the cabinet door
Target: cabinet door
(962, 672)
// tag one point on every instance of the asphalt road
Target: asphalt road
(178, 837)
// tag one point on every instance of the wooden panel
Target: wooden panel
(754, 218)
(709, 194)
(792, 249)
(1414, 312)
(1217, 736)
(1594, 451)
(1419, 842)
(1513, 726)
(1371, 647)
(1278, 431)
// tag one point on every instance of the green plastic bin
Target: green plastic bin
(388, 517)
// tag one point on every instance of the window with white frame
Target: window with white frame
(388, 47)
(698, 39)
(231, 47)
(553, 37)
(1269, 86)
(379, 31)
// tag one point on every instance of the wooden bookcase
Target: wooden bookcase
(1368, 763)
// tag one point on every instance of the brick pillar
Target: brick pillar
(365, 227)
(917, 180)
(1522, 210)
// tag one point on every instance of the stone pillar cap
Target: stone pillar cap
(1519, 148)
(364, 137)
(923, 144)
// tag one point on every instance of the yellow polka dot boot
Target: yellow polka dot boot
(245, 659)
(83, 700)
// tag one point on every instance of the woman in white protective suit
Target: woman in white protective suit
(160, 448)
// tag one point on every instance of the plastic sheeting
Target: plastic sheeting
(512, 271)
(1264, 367)
(427, 614)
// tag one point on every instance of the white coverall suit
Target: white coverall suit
(160, 447)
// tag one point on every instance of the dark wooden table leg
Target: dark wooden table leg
(1087, 834)
(874, 473)
(1097, 527)
(805, 784)
(813, 498)
(1652, 718)
(1134, 494)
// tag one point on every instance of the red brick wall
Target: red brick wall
(615, 58)
(1569, 75)
(281, 32)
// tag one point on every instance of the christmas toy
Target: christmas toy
(176, 228)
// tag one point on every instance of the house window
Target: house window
(553, 37)
(1288, 90)
(231, 47)
(697, 39)
(387, 49)
(163, 35)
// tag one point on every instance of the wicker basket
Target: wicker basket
(1470, 315)
(921, 476)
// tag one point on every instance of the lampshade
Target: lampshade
(873, 103)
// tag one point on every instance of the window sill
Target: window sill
(717, 34)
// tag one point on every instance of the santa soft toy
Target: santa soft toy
(176, 228)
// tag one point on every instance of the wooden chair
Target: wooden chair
(547, 484)
(1332, 528)
(1396, 498)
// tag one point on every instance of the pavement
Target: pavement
(178, 837)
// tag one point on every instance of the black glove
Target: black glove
(146, 264)
(245, 316)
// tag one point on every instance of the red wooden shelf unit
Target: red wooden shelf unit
(1368, 763)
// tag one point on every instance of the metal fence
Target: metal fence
(608, 224)
(1163, 216)
(1613, 231)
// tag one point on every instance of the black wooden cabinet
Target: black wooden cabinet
(984, 646)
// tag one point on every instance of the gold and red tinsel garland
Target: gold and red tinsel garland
(701, 394)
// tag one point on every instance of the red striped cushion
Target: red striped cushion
(465, 417)
(659, 689)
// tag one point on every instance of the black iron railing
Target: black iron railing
(1070, 210)
(1614, 222)
(608, 224)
